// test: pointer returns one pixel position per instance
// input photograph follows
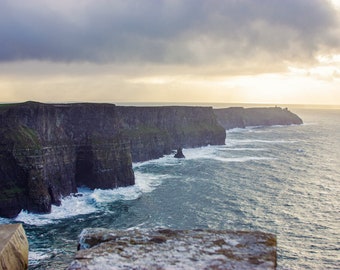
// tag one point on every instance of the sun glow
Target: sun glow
(335, 3)
(269, 57)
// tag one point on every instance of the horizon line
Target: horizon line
(210, 104)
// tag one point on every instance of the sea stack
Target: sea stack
(179, 153)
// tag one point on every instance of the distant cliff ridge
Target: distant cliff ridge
(238, 117)
(48, 150)
(155, 131)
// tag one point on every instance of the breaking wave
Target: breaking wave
(89, 201)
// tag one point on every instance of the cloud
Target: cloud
(168, 32)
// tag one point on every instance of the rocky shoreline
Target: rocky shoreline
(48, 150)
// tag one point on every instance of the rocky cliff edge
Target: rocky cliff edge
(174, 249)
(48, 150)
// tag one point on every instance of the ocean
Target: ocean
(280, 179)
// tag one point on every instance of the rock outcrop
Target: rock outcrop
(174, 249)
(13, 247)
(238, 117)
(179, 153)
(48, 150)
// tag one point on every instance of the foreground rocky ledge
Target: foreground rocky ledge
(174, 249)
(13, 247)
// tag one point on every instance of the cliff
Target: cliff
(13, 247)
(48, 150)
(155, 131)
(174, 249)
(238, 117)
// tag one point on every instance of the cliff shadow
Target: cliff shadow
(84, 172)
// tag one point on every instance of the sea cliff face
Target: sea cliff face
(238, 117)
(155, 131)
(47, 150)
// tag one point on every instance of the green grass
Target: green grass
(23, 137)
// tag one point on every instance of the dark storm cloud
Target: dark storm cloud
(166, 31)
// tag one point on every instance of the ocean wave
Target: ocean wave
(34, 257)
(144, 183)
(252, 129)
(88, 201)
(166, 160)
(147, 182)
(201, 152)
(70, 206)
(237, 130)
(310, 124)
(244, 149)
(118, 194)
(189, 153)
(241, 159)
(205, 152)
(233, 142)
(5, 221)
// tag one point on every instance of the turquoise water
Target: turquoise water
(282, 179)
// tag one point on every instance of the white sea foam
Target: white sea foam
(241, 159)
(259, 129)
(201, 152)
(34, 219)
(4, 221)
(206, 152)
(35, 256)
(111, 195)
(244, 149)
(233, 142)
(70, 206)
(166, 160)
(144, 183)
(236, 130)
(214, 153)
(310, 124)
(147, 182)
(89, 201)
(249, 129)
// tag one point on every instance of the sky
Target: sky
(203, 51)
